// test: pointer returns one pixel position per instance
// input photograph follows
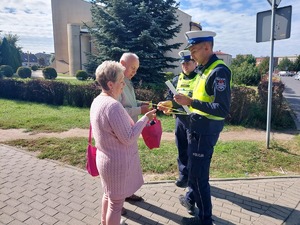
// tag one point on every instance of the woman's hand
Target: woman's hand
(151, 114)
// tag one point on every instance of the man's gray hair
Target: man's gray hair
(128, 55)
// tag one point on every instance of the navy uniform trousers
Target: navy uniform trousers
(200, 151)
(181, 139)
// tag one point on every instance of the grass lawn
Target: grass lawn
(231, 158)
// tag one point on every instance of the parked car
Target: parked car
(297, 76)
(285, 73)
(282, 73)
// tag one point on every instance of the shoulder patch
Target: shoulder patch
(220, 84)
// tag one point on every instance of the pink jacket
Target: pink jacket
(116, 138)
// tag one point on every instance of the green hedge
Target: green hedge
(49, 92)
(248, 105)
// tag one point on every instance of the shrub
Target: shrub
(242, 99)
(46, 91)
(81, 75)
(280, 116)
(34, 68)
(82, 95)
(24, 72)
(49, 73)
(154, 95)
(6, 70)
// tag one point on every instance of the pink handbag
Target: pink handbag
(152, 133)
(91, 150)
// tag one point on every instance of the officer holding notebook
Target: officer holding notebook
(209, 105)
(184, 83)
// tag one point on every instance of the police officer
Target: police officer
(209, 105)
(184, 83)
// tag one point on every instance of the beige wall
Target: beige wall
(185, 20)
(225, 57)
(71, 43)
(66, 12)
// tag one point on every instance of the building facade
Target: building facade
(72, 40)
(225, 57)
(29, 59)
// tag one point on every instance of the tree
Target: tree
(297, 64)
(139, 26)
(244, 70)
(10, 53)
(285, 64)
(263, 67)
(246, 74)
(250, 59)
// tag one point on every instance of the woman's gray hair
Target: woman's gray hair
(108, 71)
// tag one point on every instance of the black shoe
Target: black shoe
(190, 208)
(182, 183)
(191, 221)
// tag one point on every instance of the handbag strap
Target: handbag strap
(90, 135)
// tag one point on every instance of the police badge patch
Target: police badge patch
(220, 83)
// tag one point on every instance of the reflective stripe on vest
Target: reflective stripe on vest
(200, 94)
(186, 86)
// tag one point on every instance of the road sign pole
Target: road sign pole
(270, 85)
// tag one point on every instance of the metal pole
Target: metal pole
(270, 85)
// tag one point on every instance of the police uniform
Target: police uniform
(184, 84)
(210, 105)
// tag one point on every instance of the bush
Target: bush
(81, 75)
(82, 95)
(6, 70)
(242, 100)
(24, 72)
(13, 89)
(280, 117)
(49, 73)
(34, 68)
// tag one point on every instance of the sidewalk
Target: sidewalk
(35, 191)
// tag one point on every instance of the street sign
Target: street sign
(282, 28)
(277, 2)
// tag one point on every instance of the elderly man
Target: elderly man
(128, 99)
(209, 105)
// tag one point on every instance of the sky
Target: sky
(234, 21)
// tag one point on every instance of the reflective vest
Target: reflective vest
(200, 94)
(186, 86)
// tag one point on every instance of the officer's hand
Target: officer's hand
(165, 106)
(183, 99)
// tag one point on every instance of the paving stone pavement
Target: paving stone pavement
(35, 191)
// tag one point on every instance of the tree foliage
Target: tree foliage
(263, 67)
(250, 59)
(9, 52)
(285, 64)
(244, 70)
(297, 64)
(140, 26)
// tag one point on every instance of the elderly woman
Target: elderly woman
(116, 137)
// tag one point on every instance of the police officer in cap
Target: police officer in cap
(209, 105)
(184, 83)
